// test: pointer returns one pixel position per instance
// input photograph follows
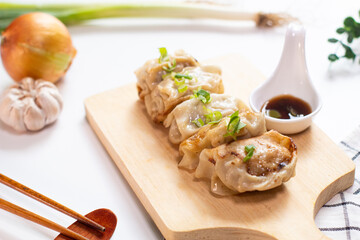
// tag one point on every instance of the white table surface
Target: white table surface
(66, 161)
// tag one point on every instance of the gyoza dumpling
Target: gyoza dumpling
(211, 136)
(150, 74)
(232, 169)
(176, 88)
(182, 119)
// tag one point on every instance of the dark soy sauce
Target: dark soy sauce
(286, 107)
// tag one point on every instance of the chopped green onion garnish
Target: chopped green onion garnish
(198, 122)
(273, 113)
(179, 82)
(165, 75)
(212, 117)
(182, 88)
(170, 66)
(179, 75)
(235, 125)
(215, 118)
(203, 96)
(249, 149)
(163, 55)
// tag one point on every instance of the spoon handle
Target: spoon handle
(293, 55)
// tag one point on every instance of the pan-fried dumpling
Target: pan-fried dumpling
(232, 169)
(211, 136)
(168, 93)
(150, 74)
(182, 120)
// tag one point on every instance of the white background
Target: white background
(66, 161)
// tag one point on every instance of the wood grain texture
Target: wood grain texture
(103, 216)
(181, 206)
(47, 201)
(21, 212)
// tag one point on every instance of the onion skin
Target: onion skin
(37, 45)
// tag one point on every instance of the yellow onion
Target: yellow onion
(37, 45)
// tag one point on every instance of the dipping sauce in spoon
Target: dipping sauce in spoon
(286, 107)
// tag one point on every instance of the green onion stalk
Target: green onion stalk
(73, 14)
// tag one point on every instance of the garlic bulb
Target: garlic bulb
(30, 105)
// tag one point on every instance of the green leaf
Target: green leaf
(249, 149)
(350, 37)
(356, 31)
(340, 30)
(332, 40)
(348, 52)
(333, 57)
(349, 22)
(163, 55)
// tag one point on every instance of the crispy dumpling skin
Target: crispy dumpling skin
(166, 96)
(180, 120)
(150, 74)
(211, 136)
(272, 163)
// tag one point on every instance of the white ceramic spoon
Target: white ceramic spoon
(290, 77)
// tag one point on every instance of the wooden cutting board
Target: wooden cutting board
(183, 207)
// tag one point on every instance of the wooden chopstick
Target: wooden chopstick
(12, 208)
(51, 203)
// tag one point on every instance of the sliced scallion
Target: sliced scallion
(249, 149)
(234, 126)
(182, 88)
(163, 55)
(198, 122)
(203, 96)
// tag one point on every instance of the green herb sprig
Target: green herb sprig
(235, 125)
(249, 149)
(350, 30)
